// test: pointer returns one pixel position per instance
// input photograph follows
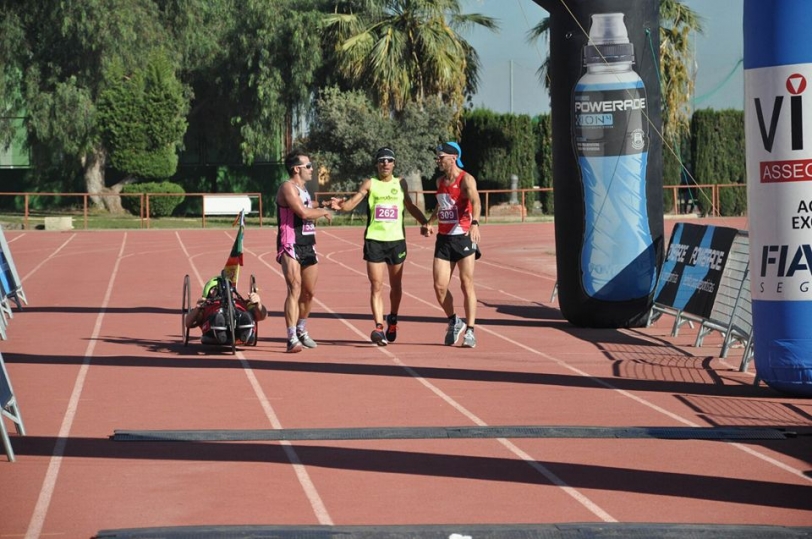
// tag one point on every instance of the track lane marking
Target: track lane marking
(753, 452)
(52, 474)
(583, 500)
(306, 483)
(48, 258)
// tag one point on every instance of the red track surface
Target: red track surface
(98, 349)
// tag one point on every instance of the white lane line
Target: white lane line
(49, 257)
(766, 458)
(308, 487)
(750, 451)
(51, 475)
(423, 247)
(574, 493)
(533, 463)
(316, 502)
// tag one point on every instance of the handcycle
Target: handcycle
(227, 298)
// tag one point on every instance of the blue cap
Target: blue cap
(451, 148)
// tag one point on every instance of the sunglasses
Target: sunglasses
(386, 160)
(308, 166)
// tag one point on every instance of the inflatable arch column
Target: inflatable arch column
(778, 134)
(607, 158)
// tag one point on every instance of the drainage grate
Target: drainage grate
(502, 531)
(425, 433)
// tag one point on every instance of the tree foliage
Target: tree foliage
(276, 54)
(159, 205)
(12, 103)
(142, 116)
(348, 128)
(677, 21)
(718, 154)
(498, 146)
(105, 84)
(251, 67)
(61, 51)
(544, 160)
(403, 51)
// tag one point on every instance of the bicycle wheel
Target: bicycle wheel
(253, 288)
(185, 308)
(228, 311)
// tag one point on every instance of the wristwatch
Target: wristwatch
(475, 222)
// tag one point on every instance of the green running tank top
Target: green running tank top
(385, 218)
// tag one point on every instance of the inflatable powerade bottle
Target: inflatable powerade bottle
(610, 132)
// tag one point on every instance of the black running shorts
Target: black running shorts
(453, 248)
(391, 252)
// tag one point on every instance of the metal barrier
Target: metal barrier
(9, 408)
(731, 311)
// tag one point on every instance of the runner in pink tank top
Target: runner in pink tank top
(296, 247)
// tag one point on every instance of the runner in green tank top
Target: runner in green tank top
(384, 239)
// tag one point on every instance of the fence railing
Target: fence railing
(685, 200)
(81, 206)
(487, 208)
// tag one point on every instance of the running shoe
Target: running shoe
(294, 346)
(469, 341)
(391, 328)
(378, 336)
(305, 339)
(455, 329)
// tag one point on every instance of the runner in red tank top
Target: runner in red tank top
(457, 214)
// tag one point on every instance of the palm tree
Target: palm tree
(403, 51)
(539, 31)
(677, 21)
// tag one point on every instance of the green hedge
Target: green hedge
(262, 178)
(676, 167)
(544, 160)
(159, 206)
(718, 156)
(497, 146)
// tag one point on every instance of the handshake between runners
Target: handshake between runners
(337, 204)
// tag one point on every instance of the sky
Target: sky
(508, 80)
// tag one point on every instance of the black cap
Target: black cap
(385, 152)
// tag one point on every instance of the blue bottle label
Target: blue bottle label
(611, 141)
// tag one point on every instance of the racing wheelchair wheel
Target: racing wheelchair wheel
(228, 309)
(185, 308)
(253, 288)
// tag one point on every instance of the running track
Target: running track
(98, 350)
